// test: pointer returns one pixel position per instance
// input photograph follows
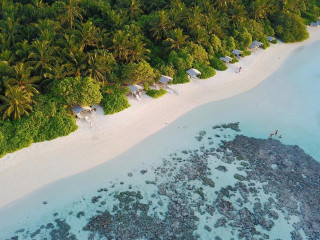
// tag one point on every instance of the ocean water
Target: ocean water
(181, 183)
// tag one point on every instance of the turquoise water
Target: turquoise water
(287, 101)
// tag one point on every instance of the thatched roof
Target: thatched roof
(133, 88)
(226, 59)
(237, 52)
(193, 72)
(77, 109)
(259, 44)
(270, 39)
(165, 79)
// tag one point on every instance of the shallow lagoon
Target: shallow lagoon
(288, 101)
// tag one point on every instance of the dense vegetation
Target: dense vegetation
(156, 93)
(70, 51)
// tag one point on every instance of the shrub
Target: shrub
(275, 41)
(246, 53)
(83, 91)
(180, 60)
(218, 64)
(290, 27)
(180, 77)
(135, 73)
(114, 99)
(156, 93)
(49, 120)
(206, 71)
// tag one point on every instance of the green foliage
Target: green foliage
(55, 46)
(290, 27)
(197, 52)
(243, 37)
(139, 73)
(206, 71)
(246, 53)
(82, 91)
(114, 99)
(48, 120)
(181, 77)
(181, 60)
(156, 93)
(218, 64)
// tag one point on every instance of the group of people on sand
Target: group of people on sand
(275, 134)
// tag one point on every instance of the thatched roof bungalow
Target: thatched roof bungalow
(237, 52)
(270, 39)
(165, 80)
(193, 73)
(255, 45)
(226, 59)
(81, 112)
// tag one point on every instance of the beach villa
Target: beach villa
(135, 90)
(270, 39)
(165, 80)
(237, 52)
(226, 59)
(193, 73)
(315, 24)
(255, 45)
(82, 112)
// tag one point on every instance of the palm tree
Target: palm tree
(22, 78)
(160, 25)
(96, 69)
(78, 61)
(23, 50)
(41, 57)
(89, 35)
(134, 9)
(121, 45)
(138, 50)
(71, 12)
(16, 103)
(177, 39)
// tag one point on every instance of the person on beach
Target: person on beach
(277, 132)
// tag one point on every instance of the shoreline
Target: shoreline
(43, 163)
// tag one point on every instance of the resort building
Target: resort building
(255, 45)
(135, 90)
(315, 24)
(237, 53)
(165, 80)
(193, 73)
(226, 59)
(82, 112)
(270, 39)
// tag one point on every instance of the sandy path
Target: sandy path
(31, 168)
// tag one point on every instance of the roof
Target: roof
(226, 59)
(165, 79)
(133, 88)
(270, 38)
(77, 109)
(237, 52)
(259, 44)
(315, 24)
(253, 46)
(193, 72)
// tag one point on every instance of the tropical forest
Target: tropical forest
(57, 54)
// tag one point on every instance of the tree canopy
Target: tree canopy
(73, 49)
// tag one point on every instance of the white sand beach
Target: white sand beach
(40, 164)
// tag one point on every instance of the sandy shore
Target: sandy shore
(32, 168)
